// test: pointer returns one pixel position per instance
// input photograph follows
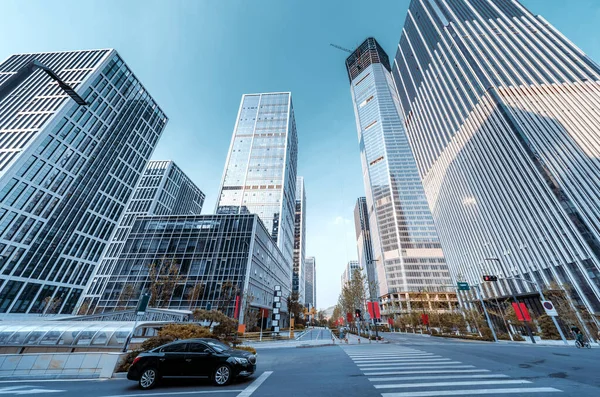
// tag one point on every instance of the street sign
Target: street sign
(463, 286)
(549, 308)
(143, 304)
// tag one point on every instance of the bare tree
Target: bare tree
(194, 294)
(127, 294)
(163, 277)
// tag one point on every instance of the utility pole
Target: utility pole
(487, 317)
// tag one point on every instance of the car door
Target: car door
(172, 363)
(199, 358)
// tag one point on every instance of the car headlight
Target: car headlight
(240, 360)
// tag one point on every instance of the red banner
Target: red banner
(264, 313)
(377, 312)
(236, 312)
(373, 308)
(349, 317)
(521, 317)
(391, 322)
(425, 319)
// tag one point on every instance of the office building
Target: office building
(364, 244)
(164, 189)
(406, 251)
(67, 172)
(349, 270)
(188, 259)
(298, 278)
(502, 114)
(310, 285)
(260, 170)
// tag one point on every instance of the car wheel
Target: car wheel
(149, 378)
(222, 375)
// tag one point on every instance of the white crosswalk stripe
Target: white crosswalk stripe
(404, 371)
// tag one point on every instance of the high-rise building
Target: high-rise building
(219, 260)
(260, 170)
(67, 172)
(502, 111)
(407, 253)
(164, 189)
(364, 244)
(298, 278)
(310, 289)
(349, 270)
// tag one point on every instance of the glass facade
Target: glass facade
(260, 171)
(199, 254)
(310, 284)
(66, 173)
(298, 277)
(501, 111)
(164, 189)
(363, 240)
(406, 249)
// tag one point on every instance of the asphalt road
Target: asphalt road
(411, 365)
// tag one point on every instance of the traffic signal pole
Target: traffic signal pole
(487, 316)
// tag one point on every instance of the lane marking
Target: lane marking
(465, 383)
(247, 392)
(401, 378)
(416, 363)
(57, 380)
(443, 371)
(471, 392)
(424, 368)
(403, 360)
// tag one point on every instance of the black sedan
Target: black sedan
(192, 358)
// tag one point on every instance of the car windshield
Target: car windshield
(218, 346)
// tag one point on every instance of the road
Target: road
(411, 365)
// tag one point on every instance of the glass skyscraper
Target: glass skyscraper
(298, 278)
(260, 170)
(364, 244)
(67, 172)
(310, 285)
(406, 251)
(502, 112)
(164, 189)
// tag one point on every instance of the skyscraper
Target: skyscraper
(260, 170)
(298, 278)
(349, 270)
(310, 294)
(363, 241)
(67, 172)
(407, 253)
(164, 189)
(502, 111)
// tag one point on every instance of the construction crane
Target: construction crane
(341, 48)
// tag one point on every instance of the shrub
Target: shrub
(518, 338)
(184, 331)
(486, 333)
(549, 331)
(434, 331)
(247, 348)
(467, 337)
(503, 336)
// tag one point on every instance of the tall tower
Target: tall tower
(310, 298)
(67, 172)
(260, 170)
(164, 189)
(407, 254)
(298, 278)
(364, 244)
(502, 112)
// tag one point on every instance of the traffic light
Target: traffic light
(488, 277)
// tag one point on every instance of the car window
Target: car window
(218, 346)
(174, 348)
(197, 348)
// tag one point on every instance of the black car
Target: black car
(192, 358)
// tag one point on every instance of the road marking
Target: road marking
(393, 357)
(401, 378)
(15, 390)
(176, 393)
(416, 363)
(466, 383)
(56, 380)
(471, 392)
(444, 371)
(254, 385)
(424, 368)
(402, 361)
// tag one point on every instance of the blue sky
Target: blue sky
(197, 58)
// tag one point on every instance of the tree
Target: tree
(321, 317)
(226, 325)
(251, 316)
(354, 293)
(294, 306)
(163, 278)
(194, 293)
(184, 331)
(51, 305)
(227, 294)
(127, 294)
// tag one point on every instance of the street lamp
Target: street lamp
(27, 70)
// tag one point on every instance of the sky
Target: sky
(197, 58)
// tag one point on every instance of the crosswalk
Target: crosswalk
(401, 371)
